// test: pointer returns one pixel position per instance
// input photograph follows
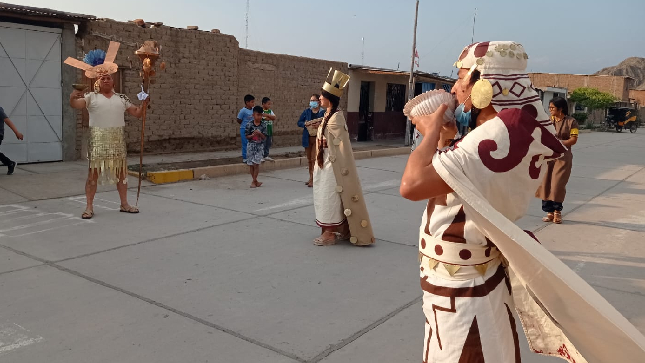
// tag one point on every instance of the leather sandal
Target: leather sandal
(548, 218)
(557, 217)
(319, 241)
(129, 209)
(88, 214)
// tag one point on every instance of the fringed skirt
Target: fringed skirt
(107, 154)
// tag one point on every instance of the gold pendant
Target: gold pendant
(432, 263)
(452, 269)
(481, 94)
(482, 268)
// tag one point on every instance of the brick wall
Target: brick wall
(639, 97)
(616, 85)
(196, 100)
(289, 82)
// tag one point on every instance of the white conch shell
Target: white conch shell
(427, 103)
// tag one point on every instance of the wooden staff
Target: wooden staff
(148, 53)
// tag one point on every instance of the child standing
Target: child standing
(256, 133)
(11, 165)
(269, 117)
(244, 117)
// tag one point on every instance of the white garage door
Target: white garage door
(30, 91)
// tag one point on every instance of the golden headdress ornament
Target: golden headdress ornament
(494, 60)
(337, 84)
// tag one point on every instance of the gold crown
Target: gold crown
(338, 83)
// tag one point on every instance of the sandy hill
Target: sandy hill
(633, 67)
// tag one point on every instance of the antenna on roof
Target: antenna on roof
(248, 7)
(474, 20)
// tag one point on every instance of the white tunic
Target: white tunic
(107, 112)
(327, 201)
(466, 290)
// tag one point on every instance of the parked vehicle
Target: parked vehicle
(620, 118)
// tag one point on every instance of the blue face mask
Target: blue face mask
(463, 118)
(313, 104)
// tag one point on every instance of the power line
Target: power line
(449, 35)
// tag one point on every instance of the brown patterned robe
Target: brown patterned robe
(554, 185)
(338, 194)
(468, 300)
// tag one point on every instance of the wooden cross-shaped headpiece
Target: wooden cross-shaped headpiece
(108, 66)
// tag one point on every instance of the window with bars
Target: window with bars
(395, 97)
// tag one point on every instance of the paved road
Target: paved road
(212, 271)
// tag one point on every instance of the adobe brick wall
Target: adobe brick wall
(616, 85)
(196, 100)
(639, 97)
(289, 82)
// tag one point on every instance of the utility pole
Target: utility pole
(408, 123)
(248, 8)
(363, 52)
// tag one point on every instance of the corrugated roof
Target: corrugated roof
(43, 12)
(375, 70)
(582, 75)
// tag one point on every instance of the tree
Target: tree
(592, 98)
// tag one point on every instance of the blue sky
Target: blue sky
(565, 36)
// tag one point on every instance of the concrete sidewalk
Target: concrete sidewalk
(212, 271)
(64, 179)
(182, 157)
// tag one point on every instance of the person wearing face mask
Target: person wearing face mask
(313, 112)
(476, 265)
(449, 133)
(462, 116)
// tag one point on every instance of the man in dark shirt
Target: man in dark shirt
(11, 165)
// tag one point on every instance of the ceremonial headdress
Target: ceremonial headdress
(503, 81)
(97, 62)
(337, 84)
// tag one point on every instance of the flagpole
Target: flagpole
(408, 123)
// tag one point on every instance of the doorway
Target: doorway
(365, 112)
